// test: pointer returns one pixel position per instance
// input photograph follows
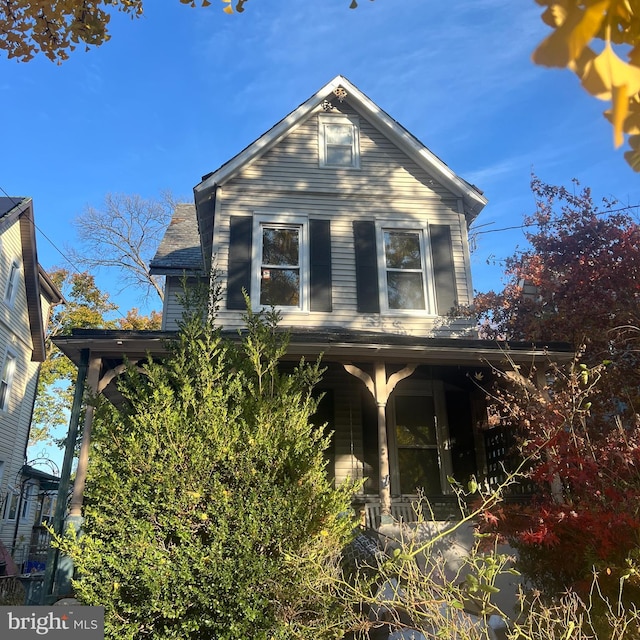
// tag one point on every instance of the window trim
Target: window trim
(428, 283)
(27, 499)
(12, 282)
(325, 119)
(12, 498)
(7, 377)
(283, 220)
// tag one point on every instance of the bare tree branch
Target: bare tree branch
(124, 235)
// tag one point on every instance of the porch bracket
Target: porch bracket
(380, 390)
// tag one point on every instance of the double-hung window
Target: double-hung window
(403, 267)
(6, 379)
(280, 271)
(339, 141)
(11, 504)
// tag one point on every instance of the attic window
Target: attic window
(339, 141)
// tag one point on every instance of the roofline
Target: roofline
(50, 290)
(473, 199)
(36, 280)
(341, 346)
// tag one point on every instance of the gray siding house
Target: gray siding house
(26, 296)
(358, 234)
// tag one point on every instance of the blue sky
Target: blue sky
(176, 93)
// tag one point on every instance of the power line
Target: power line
(53, 244)
(535, 224)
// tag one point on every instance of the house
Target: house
(26, 295)
(358, 234)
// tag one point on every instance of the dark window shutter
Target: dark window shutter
(443, 268)
(364, 238)
(320, 265)
(239, 273)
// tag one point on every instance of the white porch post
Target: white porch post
(380, 389)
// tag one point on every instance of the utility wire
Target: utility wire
(53, 244)
(535, 224)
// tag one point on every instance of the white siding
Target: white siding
(14, 336)
(389, 185)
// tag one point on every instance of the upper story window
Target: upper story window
(404, 269)
(339, 141)
(280, 258)
(12, 283)
(6, 379)
(405, 276)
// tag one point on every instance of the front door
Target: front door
(419, 439)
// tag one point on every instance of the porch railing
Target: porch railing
(441, 508)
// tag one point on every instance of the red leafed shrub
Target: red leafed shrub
(585, 467)
(580, 434)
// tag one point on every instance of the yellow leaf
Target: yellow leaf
(554, 15)
(580, 64)
(568, 41)
(634, 55)
(620, 110)
(607, 71)
(632, 122)
(228, 9)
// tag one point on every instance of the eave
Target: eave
(335, 346)
(34, 275)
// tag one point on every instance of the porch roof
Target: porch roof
(334, 344)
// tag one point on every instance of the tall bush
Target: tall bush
(207, 502)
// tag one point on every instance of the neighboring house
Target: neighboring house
(26, 294)
(358, 235)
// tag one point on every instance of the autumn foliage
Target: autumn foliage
(599, 40)
(579, 282)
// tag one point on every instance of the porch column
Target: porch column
(75, 511)
(49, 591)
(380, 389)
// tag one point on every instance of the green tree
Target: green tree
(86, 308)
(208, 513)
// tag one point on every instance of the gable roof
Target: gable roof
(472, 197)
(36, 280)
